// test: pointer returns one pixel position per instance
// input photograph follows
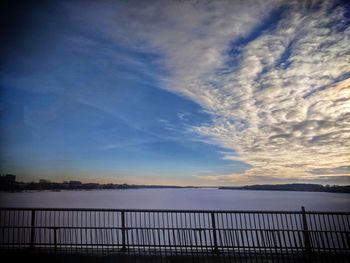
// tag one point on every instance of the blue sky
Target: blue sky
(200, 93)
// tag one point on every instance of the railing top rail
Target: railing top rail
(169, 210)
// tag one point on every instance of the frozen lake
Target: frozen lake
(202, 198)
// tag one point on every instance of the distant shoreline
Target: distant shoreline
(284, 187)
(293, 187)
(8, 183)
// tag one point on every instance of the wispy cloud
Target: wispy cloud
(274, 77)
(278, 97)
(288, 118)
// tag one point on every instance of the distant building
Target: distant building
(10, 178)
(75, 183)
(43, 181)
(7, 182)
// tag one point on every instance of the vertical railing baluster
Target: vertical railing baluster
(55, 237)
(32, 230)
(123, 231)
(306, 233)
(215, 239)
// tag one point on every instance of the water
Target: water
(202, 198)
(194, 230)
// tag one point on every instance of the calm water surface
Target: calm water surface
(205, 198)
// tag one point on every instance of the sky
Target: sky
(176, 92)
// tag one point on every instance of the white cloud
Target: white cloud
(281, 102)
(297, 117)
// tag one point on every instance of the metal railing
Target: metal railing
(175, 232)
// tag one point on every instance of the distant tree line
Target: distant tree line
(294, 187)
(8, 183)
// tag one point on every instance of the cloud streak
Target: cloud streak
(278, 94)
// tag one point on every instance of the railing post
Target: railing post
(55, 237)
(306, 232)
(123, 231)
(32, 230)
(215, 239)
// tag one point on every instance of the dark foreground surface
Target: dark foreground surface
(161, 257)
